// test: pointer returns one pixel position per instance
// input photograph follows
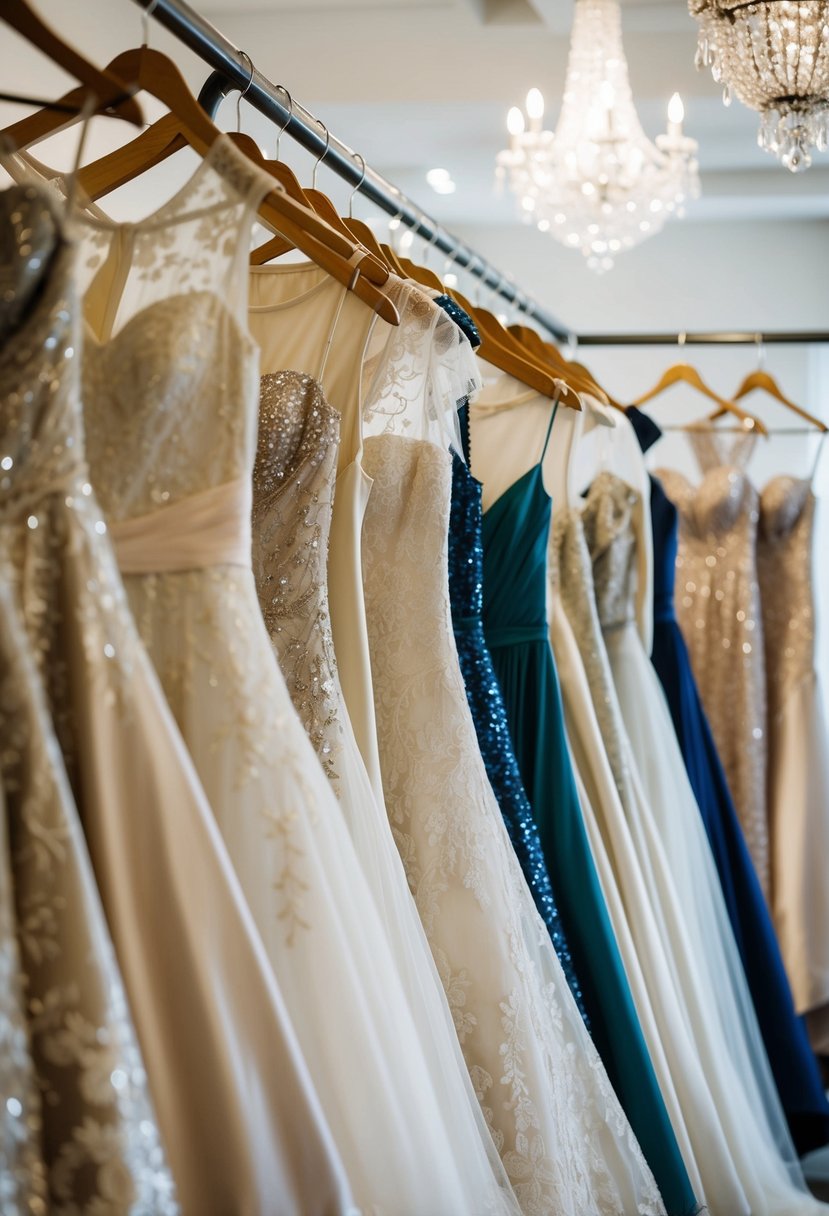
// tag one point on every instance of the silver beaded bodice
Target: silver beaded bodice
(293, 496)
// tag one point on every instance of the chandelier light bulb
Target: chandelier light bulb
(515, 121)
(676, 113)
(535, 104)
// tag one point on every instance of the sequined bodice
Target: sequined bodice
(611, 540)
(466, 550)
(170, 405)
(515, 532)
(41, 436)
(784, 561)
(293, 496)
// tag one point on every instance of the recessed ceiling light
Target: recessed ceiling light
(441, 181)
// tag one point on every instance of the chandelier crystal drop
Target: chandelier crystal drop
(597, 184)
(774, 56)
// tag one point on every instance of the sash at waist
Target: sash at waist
(515, 635)
(207, 529)
(467, 624)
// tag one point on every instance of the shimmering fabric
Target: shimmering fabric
(718, 605)
(515, 535)
(77, 1129)
(795, 1070)
(466, 558)
(798, 779)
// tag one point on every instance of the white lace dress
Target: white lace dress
(172, 394)
(563, 1137)
(89, 743)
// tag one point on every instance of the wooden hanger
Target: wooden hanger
(112, 95)
(502, 354)
(684, 373)
(187, 123)
(763, 382)
(575, 375)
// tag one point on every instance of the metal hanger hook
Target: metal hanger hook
(432, 241)
(323, 154)
(761, 351)
(356, 189)
(145, 22)
(681, 338)
(287, 121)
(243, 92)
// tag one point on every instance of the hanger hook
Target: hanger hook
(242, 92)
(287, 121)
(362, 160)
(145, 22)
(432, 241)
(761, 350)
(681, 338)
(323, 154)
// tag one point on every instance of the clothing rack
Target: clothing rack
(717, 338)
(234, 71)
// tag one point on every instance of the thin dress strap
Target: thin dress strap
(327, 347)
(549, 428)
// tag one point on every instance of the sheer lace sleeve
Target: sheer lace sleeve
(418, 373)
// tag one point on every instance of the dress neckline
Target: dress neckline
(533, 470)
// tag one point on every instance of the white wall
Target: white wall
(701, 277)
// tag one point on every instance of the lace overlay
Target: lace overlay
(293, 487)
(719, 610)
(563, 1138)
(78, 1130)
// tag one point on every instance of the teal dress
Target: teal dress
(516, 529)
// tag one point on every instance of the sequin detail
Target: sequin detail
(717, 601)
(293, 497)
(77, 1129)
(466, 573)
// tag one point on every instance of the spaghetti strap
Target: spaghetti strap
(818, 455)
(327, 347)
(549, 428)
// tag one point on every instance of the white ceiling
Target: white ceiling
(415, 84)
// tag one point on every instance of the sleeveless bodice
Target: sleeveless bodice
(293, 493)
(515, 532)
(784, 563)
(611, 539)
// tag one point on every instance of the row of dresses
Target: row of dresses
(746, 609)
(319, 894)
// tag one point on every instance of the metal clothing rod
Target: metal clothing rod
(719, 338)
(232, 72)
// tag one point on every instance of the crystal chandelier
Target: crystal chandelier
(598, 184)
(774, 55)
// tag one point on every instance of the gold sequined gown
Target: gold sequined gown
(719, 611)
(90, 743)
(77, 1128)
(798, 777)
(294, 485)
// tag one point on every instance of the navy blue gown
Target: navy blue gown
(793, 1063)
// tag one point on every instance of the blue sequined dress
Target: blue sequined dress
(466, 558)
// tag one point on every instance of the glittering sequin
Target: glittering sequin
(466, 559)
(293, 493)
(77, 1130)
(718, 607)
